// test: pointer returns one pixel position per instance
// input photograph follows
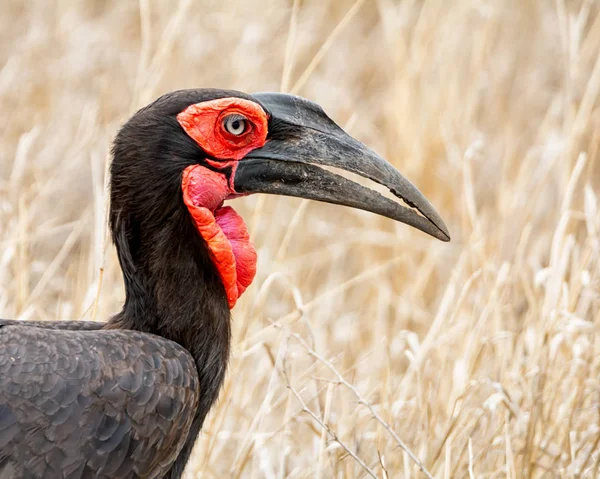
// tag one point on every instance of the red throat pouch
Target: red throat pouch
(223, 230)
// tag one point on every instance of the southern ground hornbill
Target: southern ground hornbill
(127, 398)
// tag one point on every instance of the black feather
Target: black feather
(126, 398)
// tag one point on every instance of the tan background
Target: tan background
(481, 355)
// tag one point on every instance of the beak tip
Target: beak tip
(441, 230)
(444, 233)
(441, 234)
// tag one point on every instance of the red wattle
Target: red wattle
(223, 230)
(235, 229)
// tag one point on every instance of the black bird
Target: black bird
(127, 398)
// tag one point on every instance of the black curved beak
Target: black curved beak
(301, 136)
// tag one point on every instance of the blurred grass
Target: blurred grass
(481, 355)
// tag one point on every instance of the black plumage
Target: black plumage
(92, 403)
(173, 332)
(127, 398)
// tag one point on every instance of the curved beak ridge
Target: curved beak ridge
(302, 137)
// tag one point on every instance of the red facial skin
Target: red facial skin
(204, 190)
(204, 123)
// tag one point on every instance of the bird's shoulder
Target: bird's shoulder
(124, 400)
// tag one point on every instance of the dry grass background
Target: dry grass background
(361, 342)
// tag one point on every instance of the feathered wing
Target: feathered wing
(91, 403)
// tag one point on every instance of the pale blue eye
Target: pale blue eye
(235, 124)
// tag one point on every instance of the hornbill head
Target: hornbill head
(191, 150)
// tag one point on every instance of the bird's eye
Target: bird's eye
(235, 124)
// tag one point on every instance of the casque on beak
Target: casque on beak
(301, 137)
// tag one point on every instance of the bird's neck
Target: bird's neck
(173, 290)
